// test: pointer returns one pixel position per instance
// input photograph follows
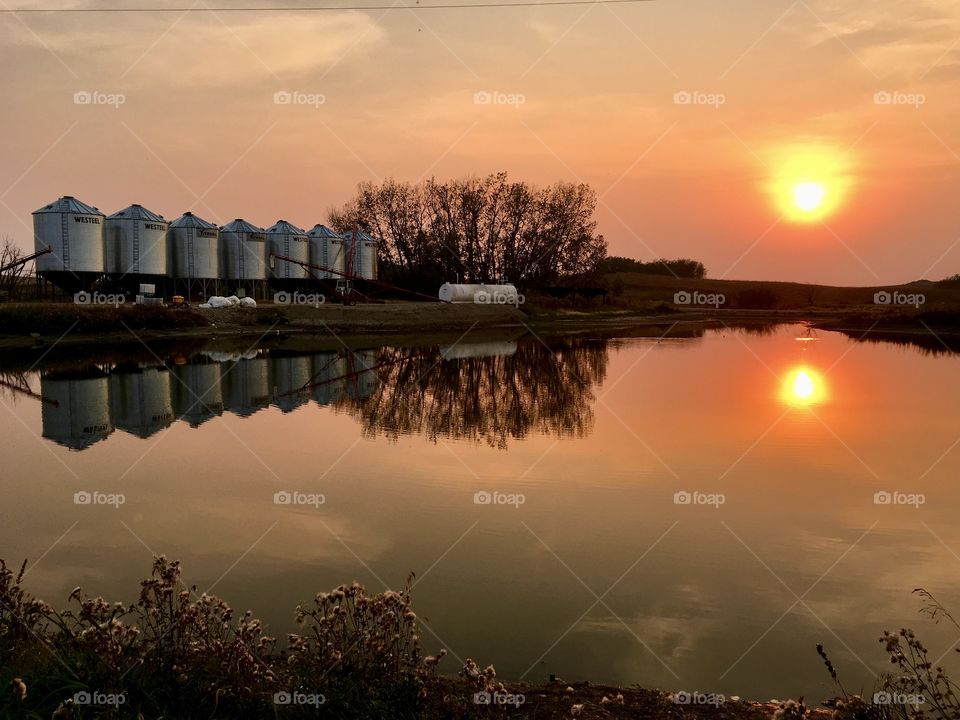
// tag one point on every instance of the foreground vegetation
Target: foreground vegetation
(173, 653)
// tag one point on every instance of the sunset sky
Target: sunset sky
(695, 121)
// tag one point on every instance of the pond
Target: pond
(692, 512)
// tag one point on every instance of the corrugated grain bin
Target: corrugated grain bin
(243, 251)
(326, 250)
(74, 232)
(291, 379)
(193, 245)
(76, 411)
(360, 253)
(246, 386)
(286, 239)
(141, 400)
(136, 242)
(329, 369)
(197, 393)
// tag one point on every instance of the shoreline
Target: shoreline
(360, 324)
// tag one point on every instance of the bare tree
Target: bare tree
(11, 254)
(479, 229)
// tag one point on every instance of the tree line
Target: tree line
(477, 229)
(681, 268)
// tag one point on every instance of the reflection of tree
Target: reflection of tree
(495, 398)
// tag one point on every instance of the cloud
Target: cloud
(201, 49)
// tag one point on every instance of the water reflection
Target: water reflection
(492, 390)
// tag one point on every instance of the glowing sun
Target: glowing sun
(809, 196)
(808, 181)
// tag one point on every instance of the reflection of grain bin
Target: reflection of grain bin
(288, 240)
(136, 242)
(197, 395)
(243, 251)
(74, 232)
(462, 350)
(246, 386)
(141, 401)
(360, 254)
(77, 411)
(193, 245)
(328, 383)
(326, 250)
(362, 380)
(290, 377)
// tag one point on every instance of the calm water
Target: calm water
(585, 564)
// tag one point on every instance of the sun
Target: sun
(808, 181)
(809, 196)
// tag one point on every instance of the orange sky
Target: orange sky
(585, 92)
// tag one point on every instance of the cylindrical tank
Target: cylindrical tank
(288, 240)
(360, 254)
(141, 402)
(76, 408)
(291, 380)
(74, 232)
(329, 369)
(478, 293)
(193, 245)
(246, 386)
(136, 242)
(362, 379)
(326, 250)
(243, 251)
(197, 395)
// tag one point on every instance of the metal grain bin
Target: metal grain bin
(329, 369)
(76, 408)
(290, 377)
(326, 250)
(243, 251)
(362, 379)
(193, 245)
(246, 386)
(286, 239)
(360, 254)
(74, 232)
(197, 395)
(136, 242)
(141, 401)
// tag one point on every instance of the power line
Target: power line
(321, 8)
